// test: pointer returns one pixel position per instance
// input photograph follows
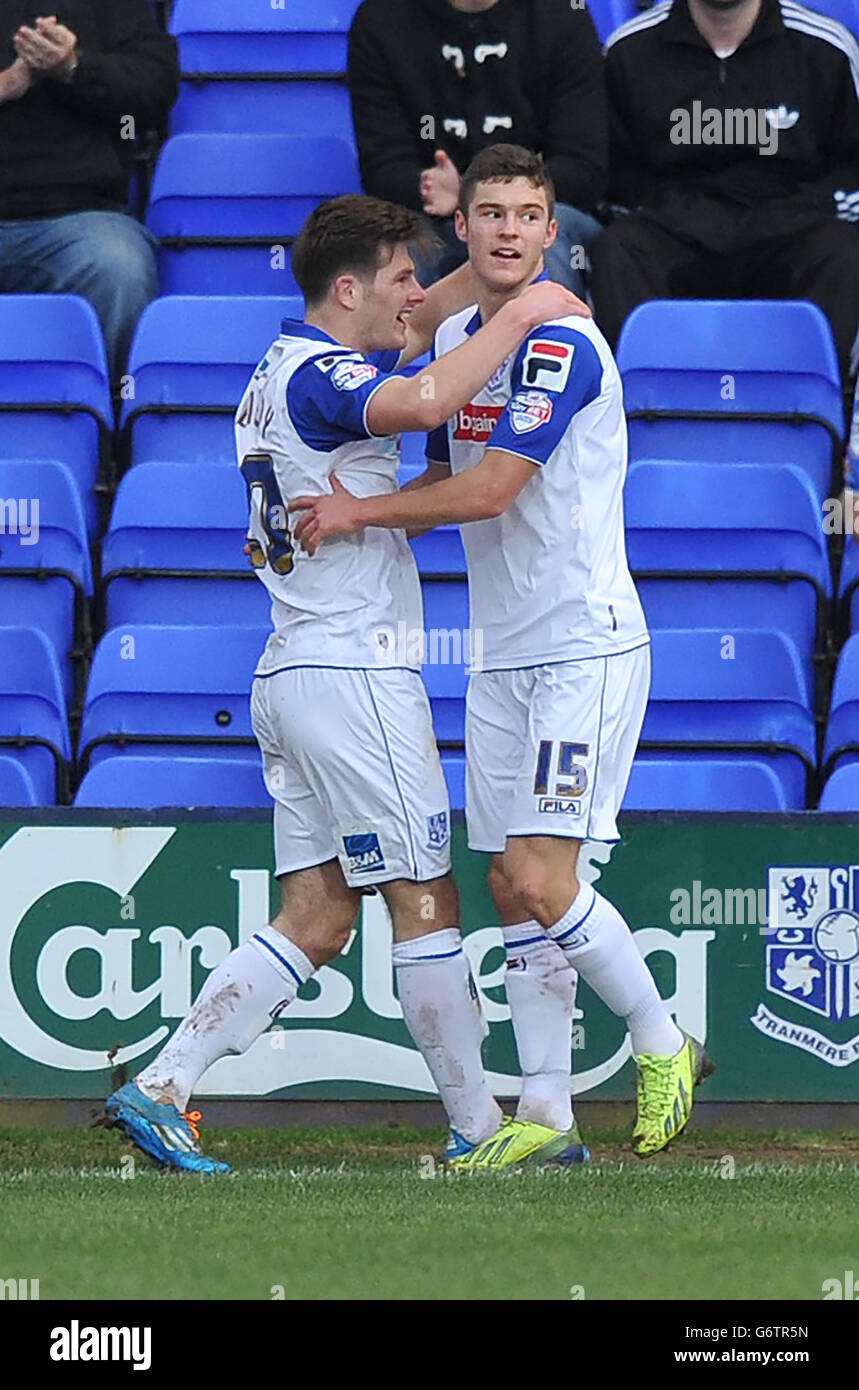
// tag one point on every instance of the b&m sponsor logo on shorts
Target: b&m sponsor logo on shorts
(812, 960)
(364, 853)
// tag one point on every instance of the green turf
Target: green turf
(349, 1213)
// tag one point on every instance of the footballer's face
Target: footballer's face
(387, 301)
(507, 230)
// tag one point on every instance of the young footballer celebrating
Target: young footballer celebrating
(344, 727)
(554, 715)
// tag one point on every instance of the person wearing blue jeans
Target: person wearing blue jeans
(74, 97)
(106, 257)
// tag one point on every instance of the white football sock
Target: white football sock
(541, 992)
(442, 1012)
(238, 1001)
(598, 943)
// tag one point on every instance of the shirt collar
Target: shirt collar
(475, 321)
(297, 328)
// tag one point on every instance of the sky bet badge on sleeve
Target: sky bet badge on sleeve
(529, 410)
(812, 960)
(348, 375)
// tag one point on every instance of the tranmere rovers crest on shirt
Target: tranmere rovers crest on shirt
(812, 959)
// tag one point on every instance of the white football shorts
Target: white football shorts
(350, 758)
(549, 748)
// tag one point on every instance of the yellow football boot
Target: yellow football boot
(665, 1086)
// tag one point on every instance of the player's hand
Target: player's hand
(545, 300)
(440, 187)
(49, 49)
(336, 514)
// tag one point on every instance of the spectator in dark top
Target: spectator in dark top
(75, 91)
(735, 142)
(435, 81)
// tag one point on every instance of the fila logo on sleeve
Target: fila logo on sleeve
(547, 364)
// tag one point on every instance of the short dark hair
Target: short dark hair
(349, 235)
(502, 164)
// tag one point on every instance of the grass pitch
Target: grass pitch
(358, 1214)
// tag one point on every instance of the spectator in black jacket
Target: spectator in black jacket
(735, 142)
(435, 81)
(75, 90)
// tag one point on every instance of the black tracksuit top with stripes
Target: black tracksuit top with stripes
(798, 68)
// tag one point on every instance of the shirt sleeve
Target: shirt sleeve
(557, 372)
(327, 399)
(438, 440)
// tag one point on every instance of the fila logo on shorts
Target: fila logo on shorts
(476, 422)
(547, 364)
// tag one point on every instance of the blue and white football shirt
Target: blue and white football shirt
(302, 418)
(548, 580)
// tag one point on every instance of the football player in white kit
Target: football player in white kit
(342, 719)
(554, 714)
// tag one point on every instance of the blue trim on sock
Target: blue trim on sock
(570, 930)
(293, 972)
(416, 960)
(529, 941)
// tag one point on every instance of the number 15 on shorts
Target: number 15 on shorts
(560, 781)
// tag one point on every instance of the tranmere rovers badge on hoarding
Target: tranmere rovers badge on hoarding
(812, 958)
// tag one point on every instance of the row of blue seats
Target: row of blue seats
(709, 546)
(257, 36)
(751, 381)
(169, 686)
(656, 784)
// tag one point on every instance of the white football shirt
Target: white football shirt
(548, 579)
(303, 417)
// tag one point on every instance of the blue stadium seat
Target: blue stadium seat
(174, 549)
(846, 12)
(254, 36)
(16, 786)
(249, 67)
(444, 671)
(227, 207)
(141, 781)
(55, 398)
(744, 692)
(190, 360)
(841, 792)
(722, 783)
(734, 521)
(848, 583)
(413, 456)
(45, 576)
(841, 743)
(33, 711)
(453, 766)
(238, 107)
(169, 687)
(766, 370)
(608, 15)
(439, 551)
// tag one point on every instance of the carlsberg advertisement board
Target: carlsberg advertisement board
(108, 927)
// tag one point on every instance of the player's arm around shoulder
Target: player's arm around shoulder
(424, 401)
